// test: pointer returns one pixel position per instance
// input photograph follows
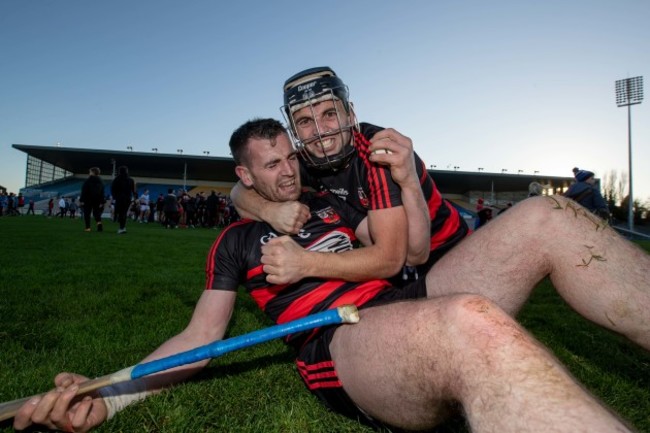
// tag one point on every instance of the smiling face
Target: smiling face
(323, 128)
(271, 168)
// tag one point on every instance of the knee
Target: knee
(475, 321)
(537, 214)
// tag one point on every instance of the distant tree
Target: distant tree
(640, 210)
(608, 187)
(621, 187)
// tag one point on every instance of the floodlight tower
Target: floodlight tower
(629, 92)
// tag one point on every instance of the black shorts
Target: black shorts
(317, 369)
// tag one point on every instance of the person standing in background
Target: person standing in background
(123, 191)
(92, 199)
(170, 207)
(144, 206)
(587, 194)
(62, 207)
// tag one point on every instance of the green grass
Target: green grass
(94, 303)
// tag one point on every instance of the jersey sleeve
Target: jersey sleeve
(225, 262)
(384, 192)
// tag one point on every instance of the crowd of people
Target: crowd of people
(176, 209)
(182, 209)
(12, 204)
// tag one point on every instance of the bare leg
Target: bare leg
(600, 274)
(404, 363)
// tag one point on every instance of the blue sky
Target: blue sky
(516, 85)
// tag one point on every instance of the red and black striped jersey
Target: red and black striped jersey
(368, 186)
(235, 259)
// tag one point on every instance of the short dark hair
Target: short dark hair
(95, 170)
(256, 128)
(124, 169)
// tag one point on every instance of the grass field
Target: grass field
(94, 303)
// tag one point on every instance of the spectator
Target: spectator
(160, 202)
(170, 208)
(145, 209)
(483, 217)
(72, 207)
(20, 202)
(585, 192)
(535, 189)
(211, 208)
(123, 191)
(3, 202)
(62, 207)
(92, 199)
(30, 208)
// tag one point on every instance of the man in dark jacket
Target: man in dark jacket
(170, 207)
(585, 192)
(92, 198)
(123, 191)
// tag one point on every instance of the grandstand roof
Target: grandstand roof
(222, 169)
(141, 164)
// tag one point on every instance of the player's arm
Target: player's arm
(59, 409)
(286, 262)
(401, 159)
(286, 217)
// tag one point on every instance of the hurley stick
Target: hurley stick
(343, 314)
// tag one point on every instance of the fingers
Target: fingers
(80, 417)
(49, 410)
(59, 412)
(66, 379)
(280, 260)
(390, 147)
(23, 417)
(291, 217)
(304, 214)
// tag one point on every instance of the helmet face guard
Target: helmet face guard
(311, 87)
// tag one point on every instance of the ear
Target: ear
(244, 175)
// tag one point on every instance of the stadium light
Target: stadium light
(456, 167)
(536, 172)
(179, 151)
(154, 149)
(129, 148)
(629, 92)
(480, 169)
(432, 166)
(206, 152)
(519, 171)
(503, 170)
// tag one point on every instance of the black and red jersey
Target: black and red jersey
(235, 259)
(368, 186)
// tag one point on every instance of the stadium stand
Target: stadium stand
(53, 171)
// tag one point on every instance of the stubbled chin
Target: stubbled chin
(289, 193)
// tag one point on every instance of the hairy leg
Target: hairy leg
(601, 275)
(405, 363)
